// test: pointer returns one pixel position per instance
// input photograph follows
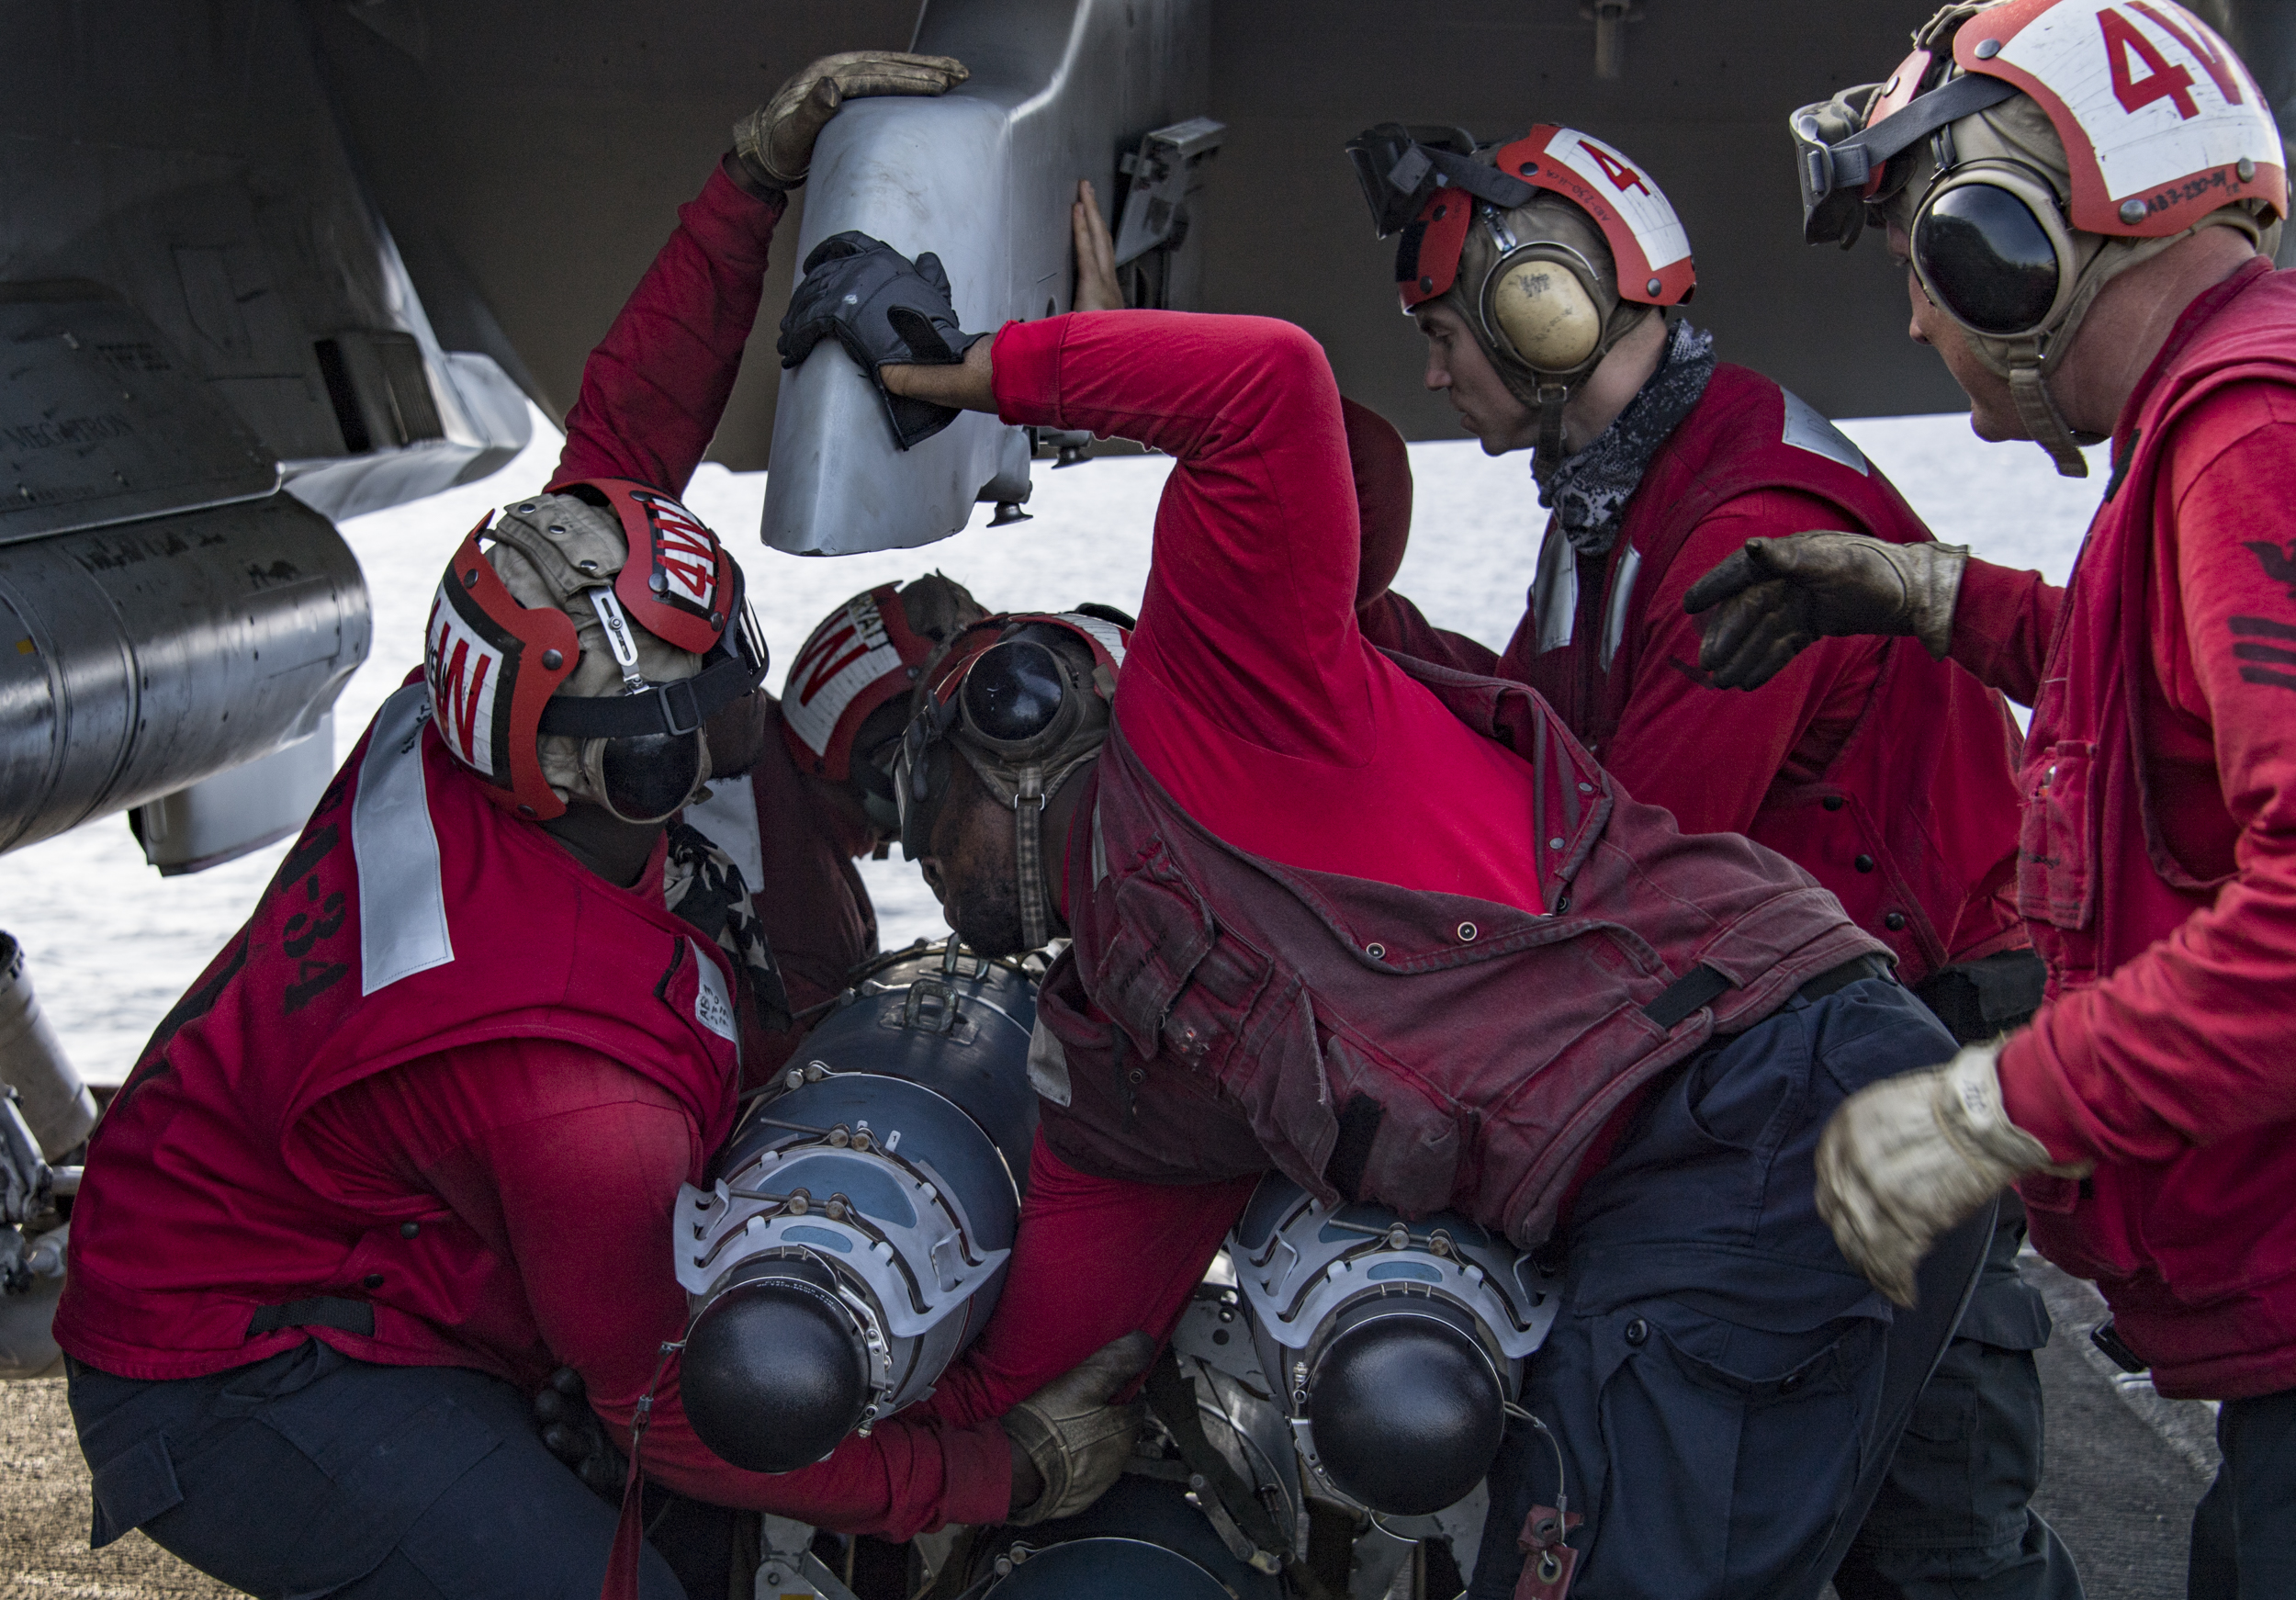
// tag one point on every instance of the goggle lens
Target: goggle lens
(1013, 692)
(1985, 258)
(649, 776)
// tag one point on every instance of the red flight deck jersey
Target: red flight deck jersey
(2157, 867)
(539, 1169)
(1885, 775)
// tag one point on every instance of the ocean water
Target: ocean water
(111, 944)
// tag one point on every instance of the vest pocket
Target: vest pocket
(1163, 932)
(2055, 883)
(1394, 1144)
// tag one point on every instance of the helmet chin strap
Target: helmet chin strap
(2044, 424)
(1547, 459)
(1028, 801)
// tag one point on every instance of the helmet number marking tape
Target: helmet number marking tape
(467, 679)
(1647, 213)
(2164, 107)
(837, 664)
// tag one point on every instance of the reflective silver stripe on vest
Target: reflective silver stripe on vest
(1806, 429)
(1555, 592)
(402, 902)
(1621, 590)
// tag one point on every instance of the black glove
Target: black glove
(885, 311)
(572, 1432)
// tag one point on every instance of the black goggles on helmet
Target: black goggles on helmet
(1401, 165)
(1014, 702)
(1837, 174)
(649, 756)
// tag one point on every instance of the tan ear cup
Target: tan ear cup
(1542, 309)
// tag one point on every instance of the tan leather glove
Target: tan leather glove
(1907, 1158)
(1078, 1441)
(776, 142)
(1775, 597)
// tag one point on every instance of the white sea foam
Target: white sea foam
(112, 944)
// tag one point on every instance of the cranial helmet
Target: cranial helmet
(576, 646)
(1024, 699)
(2033, 150)
(1552, 248)
(865, 659)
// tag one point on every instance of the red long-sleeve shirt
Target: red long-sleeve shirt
(2187, 1038)
(566, 1165)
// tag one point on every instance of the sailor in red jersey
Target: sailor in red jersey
(819, 794)
(412, 1140)
(1386, 929)
(2084, 196)
(1541, 271)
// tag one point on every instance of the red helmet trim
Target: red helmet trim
(843, 641)
(1637, 219)
(677, 582)
(2157, 81)
(482, 663)
(1903, 87)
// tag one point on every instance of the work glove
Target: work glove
(774, 142)
(1773, 598)
(1078, 1441)
(1906, 1159)
(886, 311)
(571, 1432)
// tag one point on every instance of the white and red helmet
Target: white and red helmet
(580, 654)
(864, 655)
(1546, 288)
(2033, 149)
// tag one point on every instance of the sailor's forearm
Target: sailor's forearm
(970, 386)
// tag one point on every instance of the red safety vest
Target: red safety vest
(1220, 1013)
(1915, 819)
(412, 916)
(2196, 1255)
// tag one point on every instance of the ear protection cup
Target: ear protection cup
(1542, 313)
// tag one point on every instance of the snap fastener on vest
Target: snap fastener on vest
(1638, 1332)
(1553, 844)
(409, 1230)
(1833, 802)
(1864, 863)
(1895, 921)
(1375, 950)
(1467, 933)
(372, 1280)
(1791, 1382)
(1586, 788)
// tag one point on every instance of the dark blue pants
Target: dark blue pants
(1953, 1520)
(1714, 1377)
(2244, 1531)
(312, 1474)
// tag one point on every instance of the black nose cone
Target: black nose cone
(774, 1376)
(1407, 1414)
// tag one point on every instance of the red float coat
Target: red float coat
(2157, 866)
(1888, 776)
(535, 1164)
(1231, 1005)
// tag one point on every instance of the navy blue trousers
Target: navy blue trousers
(1714, 1377)
(2244, 1531)
(312, 1474)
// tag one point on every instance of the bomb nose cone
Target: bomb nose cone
(1407, 1414)
(774, 1375)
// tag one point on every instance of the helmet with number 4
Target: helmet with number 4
(2029, 151)
(577, 643)
(847, 698)
(1552, 247)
